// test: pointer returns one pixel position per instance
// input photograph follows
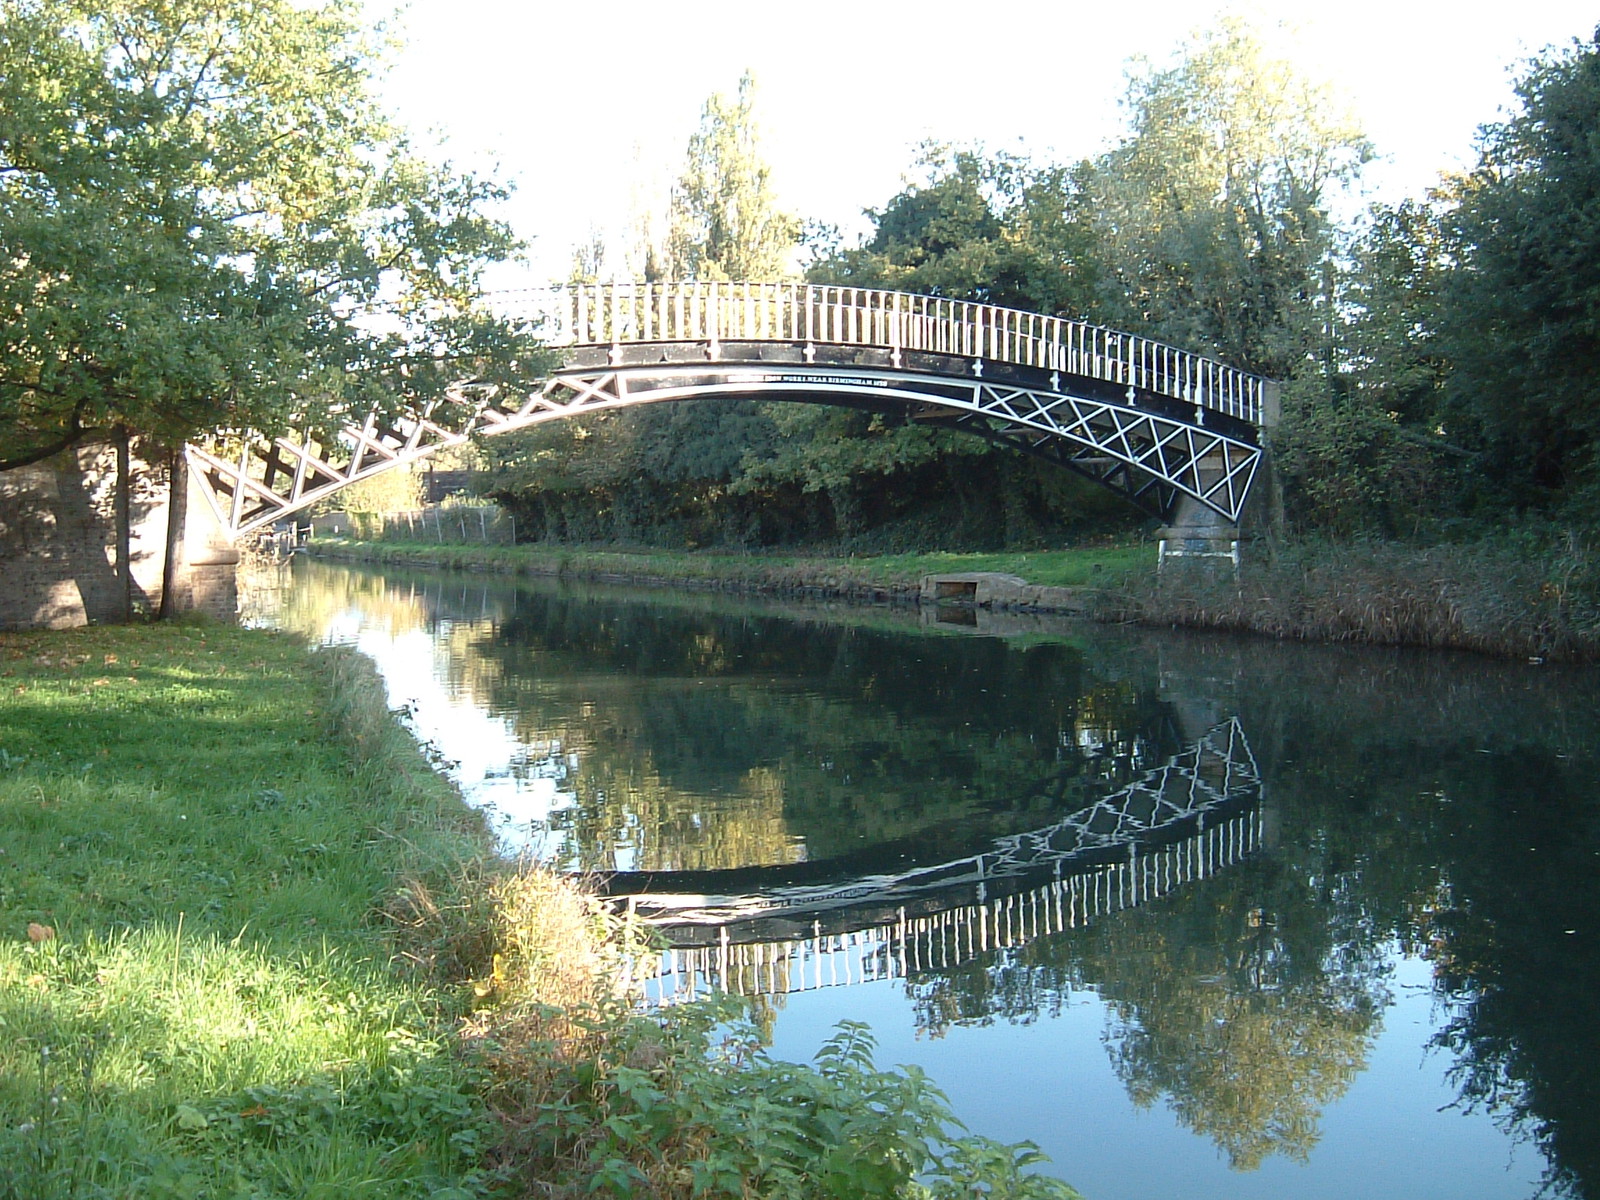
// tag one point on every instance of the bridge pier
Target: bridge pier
(64, 563)
(1197, 531)
(203, 559)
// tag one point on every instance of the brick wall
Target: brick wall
(58, 544)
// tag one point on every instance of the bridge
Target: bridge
(1176, 823)
(1162, 427)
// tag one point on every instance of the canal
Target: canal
(1201, 917)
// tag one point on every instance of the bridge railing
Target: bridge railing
(617, 313)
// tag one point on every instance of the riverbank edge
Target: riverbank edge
(1503, 601)
(819, 578)
(223, 868)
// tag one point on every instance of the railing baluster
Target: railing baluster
(710, 311)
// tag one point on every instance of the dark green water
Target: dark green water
(1387, 987)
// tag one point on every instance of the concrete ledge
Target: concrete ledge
(991, 589)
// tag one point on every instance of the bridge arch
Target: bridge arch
(1160, 426)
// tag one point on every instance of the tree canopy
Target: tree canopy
(200, 204)
(1213, 212)
(1521, 321)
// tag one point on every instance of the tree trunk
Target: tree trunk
(177, 510)
(124, 504)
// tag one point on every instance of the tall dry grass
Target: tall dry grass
(1510, 599)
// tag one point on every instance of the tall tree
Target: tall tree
(1361, 450)
(197, 203)
(1213, 211)
(1523, 319)
(665, 471)
(725, 221)
(978, 226)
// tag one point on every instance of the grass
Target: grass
(199, 825)
(759, 572)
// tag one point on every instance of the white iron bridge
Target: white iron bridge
(1153, 423)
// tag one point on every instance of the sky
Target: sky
(586, 108)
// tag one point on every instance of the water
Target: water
(1201, 917)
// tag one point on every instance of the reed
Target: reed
(1508, 599)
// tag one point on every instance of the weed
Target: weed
(597, 1098)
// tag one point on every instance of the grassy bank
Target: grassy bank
(252, 946)
(199, 825)
(886, 575)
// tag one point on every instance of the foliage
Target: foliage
(1212, 213)
(987, 227)
(198, 201)
(1535, 596)
(1520, 323)
(1457, 376)
(991, 228)
(689, 1104)
(724, 221)
(1359, 449)
(398, 489)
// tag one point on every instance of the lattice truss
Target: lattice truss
(254, 481)
(1216, 771)
(1151, 459)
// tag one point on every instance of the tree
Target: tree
(1522, 324)
(1360, 450)
(198, 202)
(724, 220)
(980, 226)
(1212, 213)
(988, 227)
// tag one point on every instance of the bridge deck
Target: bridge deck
(617, 314)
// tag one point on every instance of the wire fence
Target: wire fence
(454, 524)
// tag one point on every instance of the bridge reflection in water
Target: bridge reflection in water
(1177, 824)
